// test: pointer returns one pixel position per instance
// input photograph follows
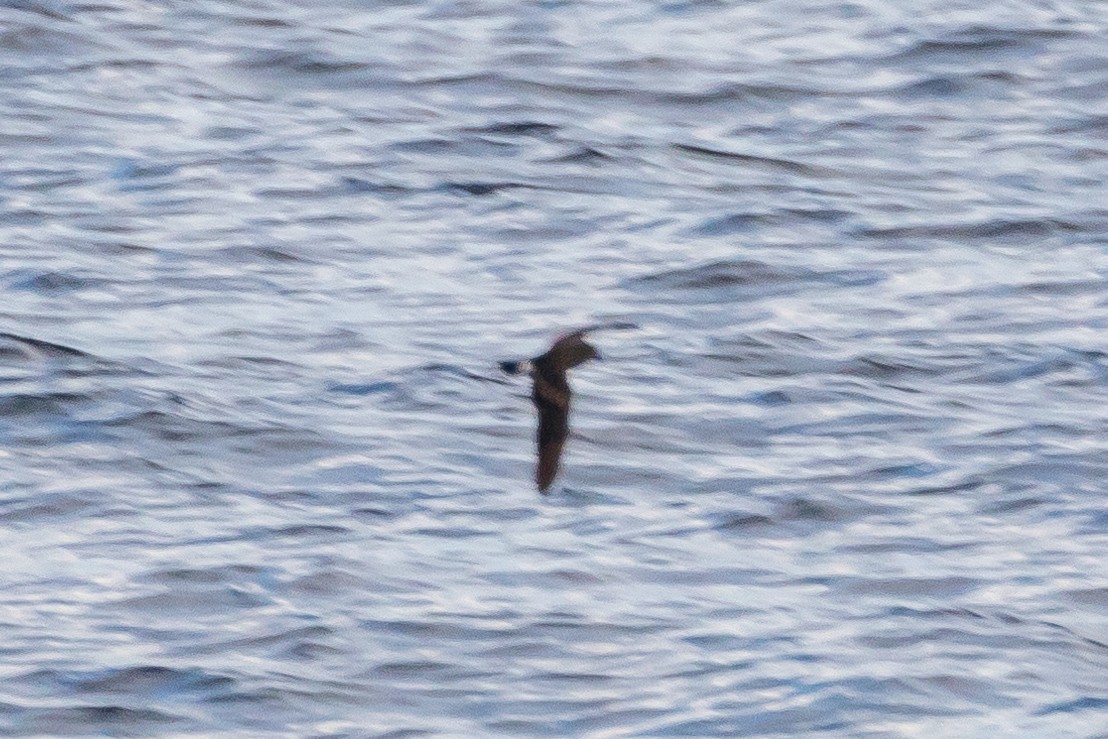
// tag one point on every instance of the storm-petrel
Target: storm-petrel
(550, 394)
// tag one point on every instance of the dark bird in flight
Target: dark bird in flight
(550, 394)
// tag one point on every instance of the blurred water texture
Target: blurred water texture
(258, 259)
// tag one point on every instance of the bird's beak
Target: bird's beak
(599, 357)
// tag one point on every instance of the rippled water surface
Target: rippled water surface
(262, 475)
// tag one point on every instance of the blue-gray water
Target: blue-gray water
(261, 475)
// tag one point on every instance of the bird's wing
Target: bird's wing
(553, 406)
(608, 326)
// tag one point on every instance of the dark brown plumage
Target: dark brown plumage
(551, 396)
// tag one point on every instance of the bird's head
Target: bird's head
(573, 350)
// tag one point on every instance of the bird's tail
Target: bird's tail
(516, 368)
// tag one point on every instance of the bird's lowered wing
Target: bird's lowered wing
(552, 403)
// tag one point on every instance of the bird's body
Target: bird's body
(551, 395)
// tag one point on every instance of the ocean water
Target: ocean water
(261, 476)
